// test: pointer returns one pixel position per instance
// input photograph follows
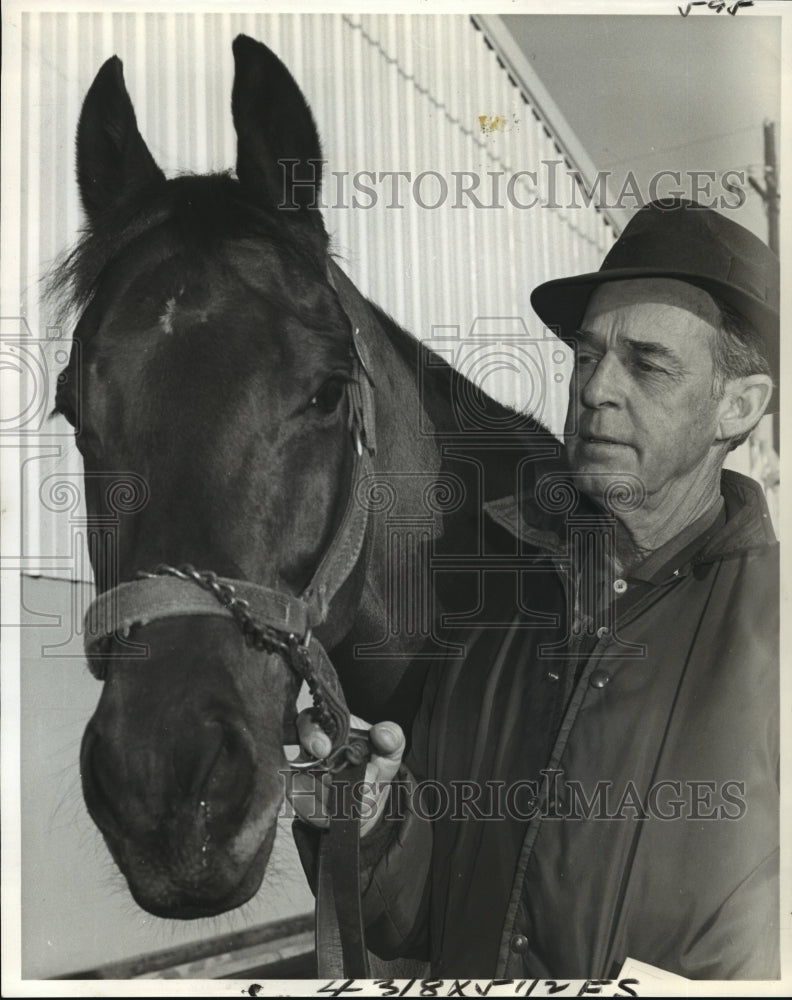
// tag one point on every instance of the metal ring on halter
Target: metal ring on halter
(355, 751)
(307, 765)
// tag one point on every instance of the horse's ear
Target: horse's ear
(113, 161)
(273, 123)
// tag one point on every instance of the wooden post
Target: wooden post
(770, 195)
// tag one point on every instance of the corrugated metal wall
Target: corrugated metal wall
(416, 93)
(390, 93)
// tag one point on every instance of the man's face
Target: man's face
(641, 396)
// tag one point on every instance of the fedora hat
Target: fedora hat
(684, 240)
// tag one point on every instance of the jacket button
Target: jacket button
(620, 586)
(519, 943)
(599, 679)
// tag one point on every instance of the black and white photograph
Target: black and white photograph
(394, 535)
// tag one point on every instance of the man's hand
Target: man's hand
(308, 791)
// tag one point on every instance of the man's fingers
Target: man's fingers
(309, 792)
(387, 746)
(313, 739)
(386, 740)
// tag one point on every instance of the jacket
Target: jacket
(599, 780)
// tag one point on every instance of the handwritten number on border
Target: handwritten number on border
(716, 5)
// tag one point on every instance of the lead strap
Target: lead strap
(340, 940)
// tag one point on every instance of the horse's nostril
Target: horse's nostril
(211, 777)
(215, 770)
(229, 786)
(194, 758)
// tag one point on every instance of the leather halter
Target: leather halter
(270, 619)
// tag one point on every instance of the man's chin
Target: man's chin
(608, 479)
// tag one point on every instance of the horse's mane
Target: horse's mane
(439, 374)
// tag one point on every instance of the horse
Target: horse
(313, 459)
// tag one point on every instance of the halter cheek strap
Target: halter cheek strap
(361, 390)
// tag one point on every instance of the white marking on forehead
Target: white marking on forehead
(166, 319)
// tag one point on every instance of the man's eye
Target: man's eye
(329, 396)
(646, 366)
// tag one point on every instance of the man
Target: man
(599, 781)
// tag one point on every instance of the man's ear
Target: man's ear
(744, 401)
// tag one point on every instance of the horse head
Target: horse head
(219, 369)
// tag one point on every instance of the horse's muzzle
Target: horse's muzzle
(204, 766)
(185, 812)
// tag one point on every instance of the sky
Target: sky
(664, 93)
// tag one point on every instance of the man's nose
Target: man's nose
(603, 384)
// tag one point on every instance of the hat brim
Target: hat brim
(561, 305)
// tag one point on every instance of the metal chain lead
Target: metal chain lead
(261, 637)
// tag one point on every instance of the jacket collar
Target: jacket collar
(748, 523)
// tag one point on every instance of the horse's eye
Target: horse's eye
(329, 396)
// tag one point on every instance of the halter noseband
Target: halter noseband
(270, 620)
